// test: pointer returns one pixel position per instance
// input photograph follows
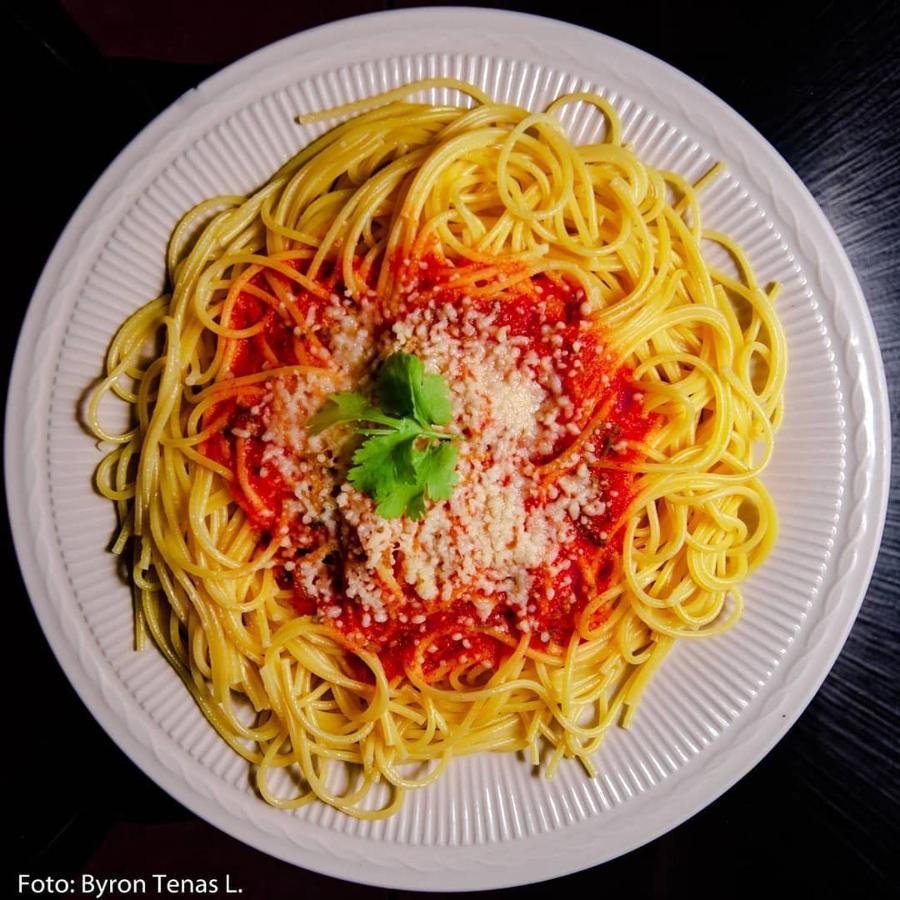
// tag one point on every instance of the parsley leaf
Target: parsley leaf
(433, 401)
(383, 460)
(394, 387)
(344, 407)
(404, 389)
(435, 477)
(438, 470)
(403, 462)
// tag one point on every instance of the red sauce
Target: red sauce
(546, 312)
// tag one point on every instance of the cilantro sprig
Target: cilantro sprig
(403, 461)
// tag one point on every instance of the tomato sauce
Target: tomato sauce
(435, 638)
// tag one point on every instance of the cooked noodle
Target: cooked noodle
(499, 198)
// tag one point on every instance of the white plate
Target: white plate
(489, 822)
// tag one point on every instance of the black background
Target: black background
(818, 817)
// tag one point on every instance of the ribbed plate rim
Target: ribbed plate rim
(459, 868)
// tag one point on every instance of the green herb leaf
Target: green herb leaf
(404, 462)
(435, 478)
(344, 407)
(395, 385)
(404, 499)
(382, 461)
(432, 399)
(437, 471)
(404, 389)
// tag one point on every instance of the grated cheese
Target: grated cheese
(499, 530)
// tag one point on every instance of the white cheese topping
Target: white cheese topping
(497, 531)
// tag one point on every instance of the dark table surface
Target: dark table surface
(818, 816)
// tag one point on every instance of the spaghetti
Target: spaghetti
(614, 401)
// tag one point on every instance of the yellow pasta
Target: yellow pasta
(617, 465)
